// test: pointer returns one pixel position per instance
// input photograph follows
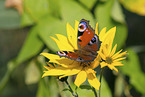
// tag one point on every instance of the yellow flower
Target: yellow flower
(110, 58)
(68, 67)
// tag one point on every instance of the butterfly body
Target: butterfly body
(88, 44)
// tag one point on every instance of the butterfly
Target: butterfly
(88, 44)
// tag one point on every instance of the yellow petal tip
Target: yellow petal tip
(42, 53)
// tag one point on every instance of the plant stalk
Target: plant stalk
(72, 92)
(101, 74)
(94, 90)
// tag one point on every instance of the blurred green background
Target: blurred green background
(25, 27)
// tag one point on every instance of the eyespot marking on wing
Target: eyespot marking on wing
(82, 26)
(94, 40)
(62, 53)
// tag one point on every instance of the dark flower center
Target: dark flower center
(85, 64)
(109, 60)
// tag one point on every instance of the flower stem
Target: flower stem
(100, 81)
(75, 95)
(94, 90)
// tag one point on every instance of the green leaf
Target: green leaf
(117, 14)
(43, 89)
(26, 20)
(10, 66)
(41, 62)
(48, 88)
(32, 73)
(66, 89)
(133, 70)
(105, 19)
(85, 87)
(71, 11)
(119, 85)
(34, 11)
(53, 86)
(103, 0)
(54, 6)
(9, 18)
(83, 92)
(31, 47)
(50, 26)
(105, 90)
(88, 3)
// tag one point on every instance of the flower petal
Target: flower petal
(113, 50)
(116, 54)
(119, 59)
(72, 72)
(63, 43)
(92, 79)
(107, 48)
(96, 62)
(119, 55)
(110, 35)
(54, 58)
(108, 38)
(102, 55)
(48, 68)
(56, 72)
(76, 27)
(103, 64)
(106, 51)
(102, 34)
(115, 69)
(112, 67)
(50, 56)
(72, 37)
(81, 77)
(117, 64)
(65, 62)
(96, 29)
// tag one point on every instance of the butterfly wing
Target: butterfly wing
(90, 50)
(70, 55)
(85, 33)
(87, 39)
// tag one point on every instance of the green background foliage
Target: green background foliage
(22, 66)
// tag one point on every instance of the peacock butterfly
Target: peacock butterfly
(88, 44)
